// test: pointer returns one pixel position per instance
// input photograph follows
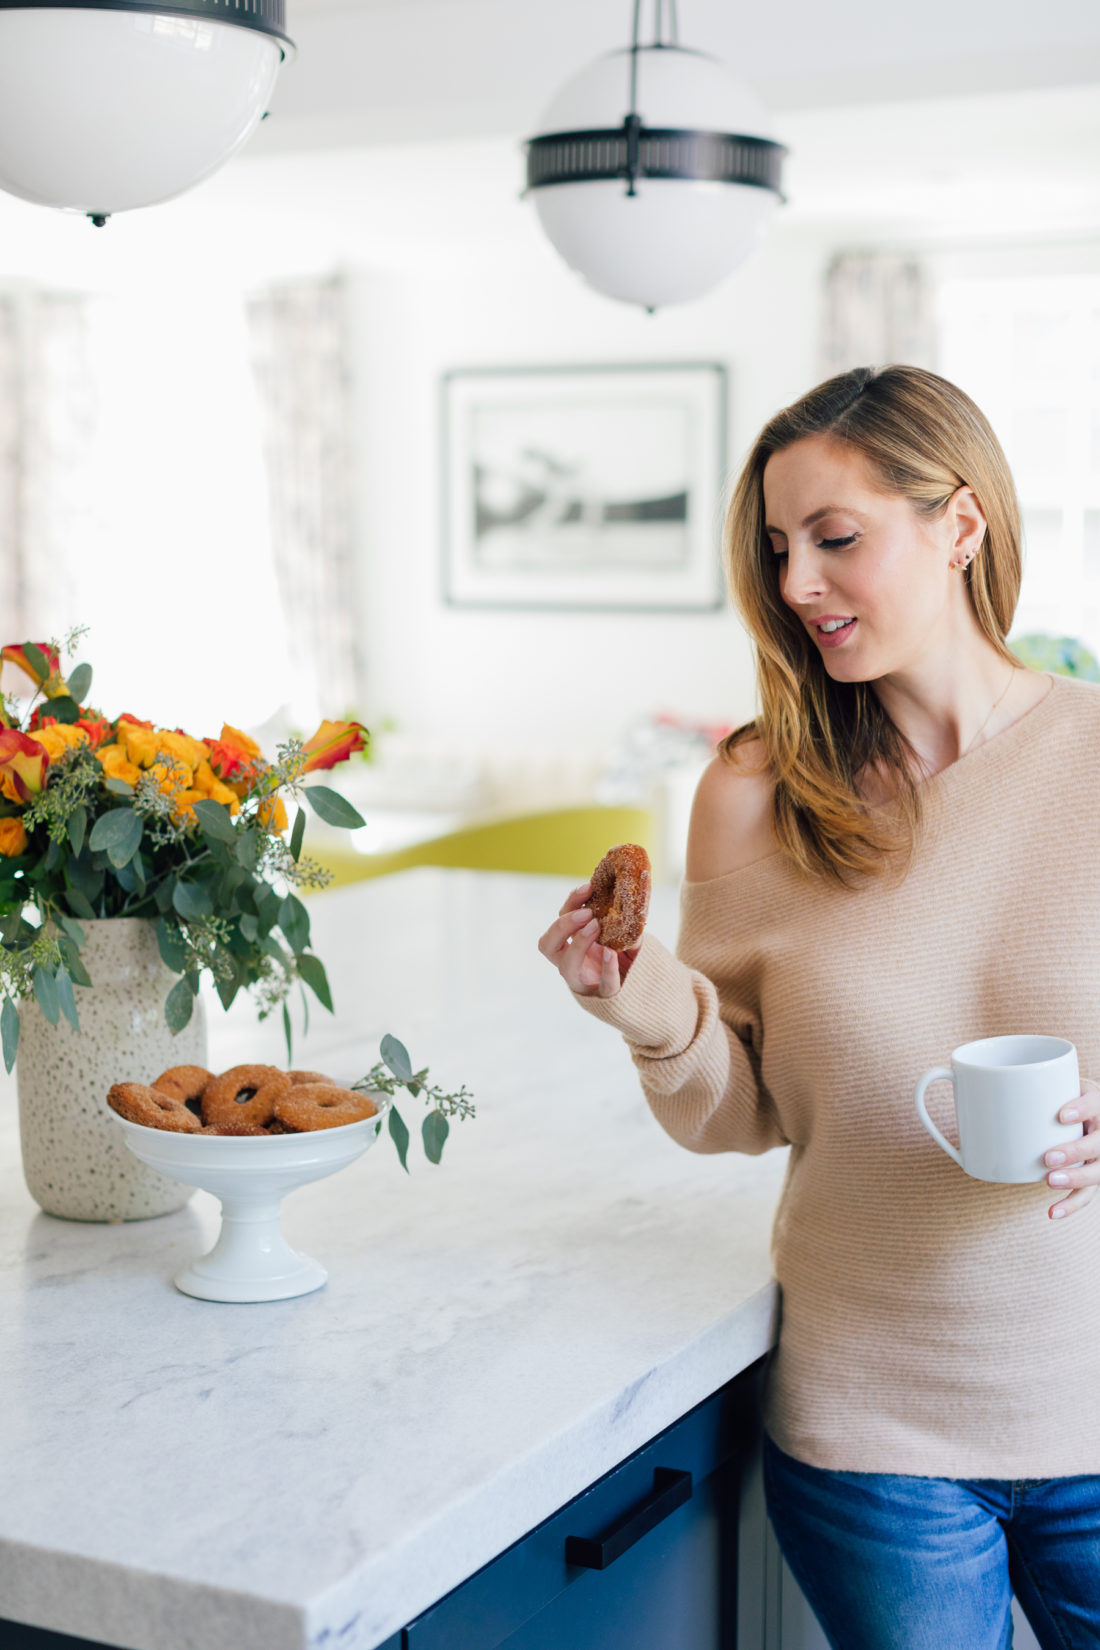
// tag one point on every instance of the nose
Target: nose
(801, 577)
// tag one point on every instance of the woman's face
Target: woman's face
(849, 552)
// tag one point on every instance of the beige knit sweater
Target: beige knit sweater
(931, 1323)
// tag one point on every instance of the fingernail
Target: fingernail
(1070, 1115)
(590, 927)
(1057, 1212)
(1058, 1179)
(582, 912)
(1055, 1157)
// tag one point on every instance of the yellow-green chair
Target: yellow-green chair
(567, 842)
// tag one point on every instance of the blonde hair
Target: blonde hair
(922, 438)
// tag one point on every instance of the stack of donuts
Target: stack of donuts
(243, 1100)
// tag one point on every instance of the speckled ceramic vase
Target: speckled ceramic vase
(75, 1159)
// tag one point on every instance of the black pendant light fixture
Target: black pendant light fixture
(108, 105)
(655, 171)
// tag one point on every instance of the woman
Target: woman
(899, 854)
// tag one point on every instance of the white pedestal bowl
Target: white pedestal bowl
(250, 1174)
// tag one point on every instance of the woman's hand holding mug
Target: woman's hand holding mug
(1022, 1111)
(587, 967)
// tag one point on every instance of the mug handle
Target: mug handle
(936, 1075)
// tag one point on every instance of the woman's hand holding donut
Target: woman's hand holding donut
(570, 943)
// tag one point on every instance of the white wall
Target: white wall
(556, 681)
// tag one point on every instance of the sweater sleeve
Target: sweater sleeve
(699, 1064)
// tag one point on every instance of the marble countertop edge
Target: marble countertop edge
(385, 1594)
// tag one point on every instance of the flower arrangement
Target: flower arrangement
(120, 818)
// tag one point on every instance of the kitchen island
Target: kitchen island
(497, 1332)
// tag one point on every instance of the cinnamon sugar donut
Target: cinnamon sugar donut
(297, 1077)
(243, 1094)
(308, 1106)
(234, 1127)
(184, 1083)
(620, 895)
(157, 1110)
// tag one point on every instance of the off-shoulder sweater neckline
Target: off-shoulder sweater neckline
(970, 765)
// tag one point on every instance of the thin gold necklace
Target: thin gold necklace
(989, 718)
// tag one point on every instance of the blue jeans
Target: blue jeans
(902, 1563)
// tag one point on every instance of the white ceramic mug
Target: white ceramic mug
(1008, 1093)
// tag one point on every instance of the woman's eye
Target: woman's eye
(837, 544)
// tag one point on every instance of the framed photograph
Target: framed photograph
(584, 487)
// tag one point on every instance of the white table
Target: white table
(496, 1332)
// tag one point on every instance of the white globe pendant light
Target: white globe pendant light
(656, 171)
(108, 105)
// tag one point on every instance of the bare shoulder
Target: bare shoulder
(731, 819)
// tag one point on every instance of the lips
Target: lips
(834, 638)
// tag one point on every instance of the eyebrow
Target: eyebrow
(826, 510)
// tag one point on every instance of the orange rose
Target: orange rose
(117, 765)
(95, 725)
(13, 838)
(234, 756)
(333, 742)
(23, 763)
(185, 802)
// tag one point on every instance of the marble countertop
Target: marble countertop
(495, 1334)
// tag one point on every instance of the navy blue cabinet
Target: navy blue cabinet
(645, 1559)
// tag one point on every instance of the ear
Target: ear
(966, 522)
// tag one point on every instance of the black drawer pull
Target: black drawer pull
(670, 1490)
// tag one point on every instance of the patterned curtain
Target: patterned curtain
(879, 310)
(300, 357)
(47, 423)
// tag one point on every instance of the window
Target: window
(1026, 348)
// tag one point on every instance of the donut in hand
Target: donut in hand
(620, 895)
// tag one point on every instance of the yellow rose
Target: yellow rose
(13, 838)
(185, 801)
(182, 747)
(207, 781)
(272, 811)
(140, 744)
(117, 765)
(59, 738)
(172, 777)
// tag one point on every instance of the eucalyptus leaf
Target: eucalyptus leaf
(312, 971)
(117, 787)
(178, 1006)
(396, 1056)
(77, 972)
(66, 999)
(80, 681)
(330, 806)
(294, 922)
(215, 820)
(45, 989)
(37, 660)
(249, 926)
(79, 904)
(77, 826)
(297, 833)
(118, 835)
(171, 944)
(399, 1134)
(9, 1032)
(434, 1129)
(192, 901)
(248, 844)
(73, 929)
(64, 709)
(287, 1033)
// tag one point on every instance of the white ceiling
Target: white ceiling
(385, 71)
